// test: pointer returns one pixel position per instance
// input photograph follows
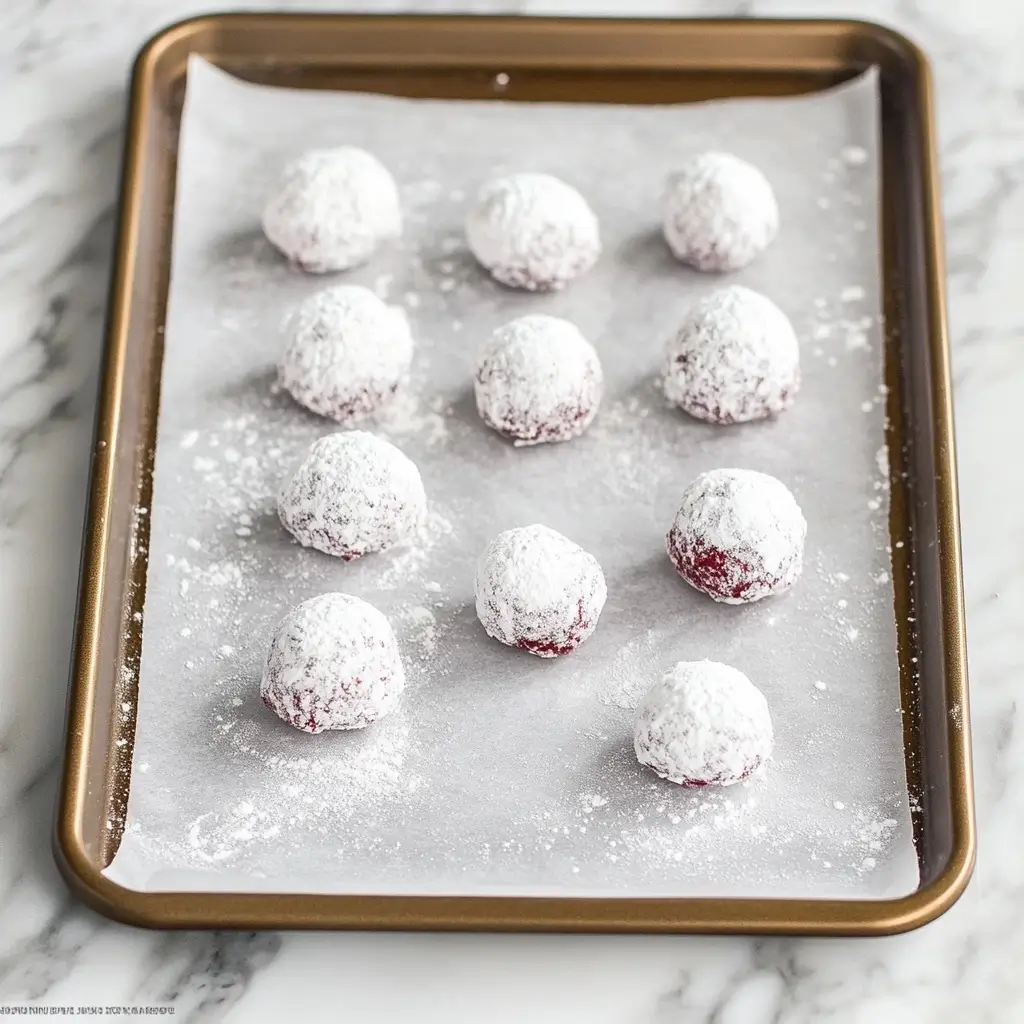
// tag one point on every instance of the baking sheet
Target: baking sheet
(502, 773)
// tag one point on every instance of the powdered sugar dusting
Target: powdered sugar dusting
(333, 664)
(412, 415)
(735, 358)
(353, 494)
(538, 591)
(704, 724)
(538, 379)
(738, 536)
(346, 353)
(307, 795)
(332, 209)
(533, 231)
(628, 681)
(719, 212)
(855, 156)
(410, 561)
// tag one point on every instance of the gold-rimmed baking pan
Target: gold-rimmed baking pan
(567, 60)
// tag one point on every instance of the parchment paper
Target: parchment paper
(501, 772)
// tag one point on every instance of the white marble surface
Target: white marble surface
(63, 69)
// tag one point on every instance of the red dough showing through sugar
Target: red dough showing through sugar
(538, 591)
(738, 536)
(575, 633)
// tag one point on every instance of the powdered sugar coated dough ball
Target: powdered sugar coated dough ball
(735, 358)
(333, 664)
(533, 231)
(704, 724)
(353, 494)
(346, 352)
(738, 536)
(538, 379)
(719, 212)
(538, 591)
(332, 209)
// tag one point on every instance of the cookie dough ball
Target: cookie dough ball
(704, 724)
(533, 231)
(333, 664)
(719, 212)
(538, 591)
(346, 353)
(738, 536)
(735, 358)
(353, 494)
(332, 209)
(538, 379)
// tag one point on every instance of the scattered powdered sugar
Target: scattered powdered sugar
(409, 562)
(735, 358)
(421, 631)
(882, 463)
(719, 212)
(833, 323)
(411, 415)
(362, 769)
(718, 831)
(538, 591)
(533, 231)
(497, 769)
(854, 156)
(306, 794)
(240, 466)
(628, 679)
(629, 442)
(538, 379)
(333, 209)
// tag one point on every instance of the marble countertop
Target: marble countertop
(63, 71)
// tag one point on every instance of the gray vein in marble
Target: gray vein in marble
(205, 975)
(51, 956)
